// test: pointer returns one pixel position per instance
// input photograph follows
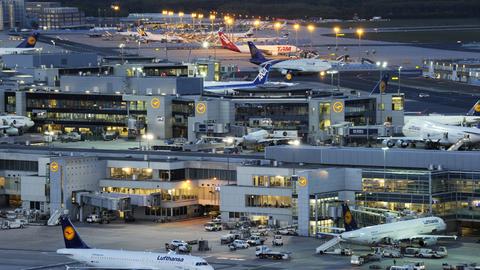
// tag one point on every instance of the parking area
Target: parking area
(34, 247)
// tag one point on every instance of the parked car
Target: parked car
(212, 226)
(177, 243)
(255, 240)
(7, 224)
(239, 244)
(93, 218)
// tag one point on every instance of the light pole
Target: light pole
(359, 34)
(212, 20)
(336, 29)
(256, 23)
(277, 27)
(121, 46)
(194, 15)
(200, 17)
(296, 27)
(180, 15)
(399, 74)
(311, 29)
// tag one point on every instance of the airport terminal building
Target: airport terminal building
(300, 186)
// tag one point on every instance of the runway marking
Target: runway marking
(49, 266)
(230, 259)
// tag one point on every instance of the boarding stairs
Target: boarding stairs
(459, 144)
(327, 245)
(54, 218)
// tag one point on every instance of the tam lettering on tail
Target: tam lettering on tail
(226, 43)
(70, 234)
(475, 110)
(256, 55)
(29, 42)
(349, 222)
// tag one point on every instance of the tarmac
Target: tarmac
(34, 247)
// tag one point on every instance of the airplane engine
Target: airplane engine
(388, 143)
(12, 131)
(428, 242)
(403, 144)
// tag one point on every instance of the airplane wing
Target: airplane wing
(267, 140)
(5, 127)
(424, 236)
(409, 139)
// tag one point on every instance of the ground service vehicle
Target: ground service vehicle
(255, 240)
(263, 252)
(277, 240)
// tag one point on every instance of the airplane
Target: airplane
(77, 250)
(419, 229)
(13, 125)
(227, 87)
(262, 136)
(268, 49)
(149, 36)
(290, 66)
(473, 116)
(433, 134)
(26, 46)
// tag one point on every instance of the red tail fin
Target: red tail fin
(226, 43)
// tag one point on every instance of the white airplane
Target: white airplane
(290, 66)
(227, 87)
(268, 49)
(13, 125)
(262, 136)
(27, 46)
(149, 36)
(77, 250)
(473, 116)
(419, 229)
(433, 134)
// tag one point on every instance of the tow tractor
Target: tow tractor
(263, 252)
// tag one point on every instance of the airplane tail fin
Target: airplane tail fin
(475, 110)
(226, 43)
(381, 86)
(141, 31)
(70, 234)
(349, 222)
(255, 54)
(262, 76)
(29, 42)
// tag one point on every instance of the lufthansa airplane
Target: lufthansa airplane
(422, 230)
(27, 46)
(95, 258)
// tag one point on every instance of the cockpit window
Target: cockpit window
(201, 263)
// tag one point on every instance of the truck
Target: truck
(8, 224)
(429, 253)
(227, 239)
(255, 240)
(277, 240)
(362, 259)
(263, 252)
(340, 251)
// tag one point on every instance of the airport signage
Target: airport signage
(155, 103)
(201, 108)
(302, 181)
(54, 166)
(338, 107)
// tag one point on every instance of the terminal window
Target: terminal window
(268, 201)
(397, 103)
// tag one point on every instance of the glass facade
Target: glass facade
(292, 116)
(147, 174)
(272, 181)
(360, 111)
(268, 201)
(453, 195)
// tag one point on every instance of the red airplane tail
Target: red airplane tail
(226, 43)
